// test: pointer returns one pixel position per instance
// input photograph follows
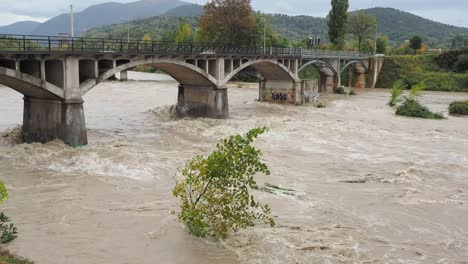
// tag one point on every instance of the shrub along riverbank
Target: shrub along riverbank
(428, 71)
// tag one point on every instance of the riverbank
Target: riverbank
(423, 70)
(368, 186)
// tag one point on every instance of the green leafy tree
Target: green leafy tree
(228, 22)
(382, 44)
(415, 43)
(146, 38)
(184, 34)
(8, 231)
(215, 190)
(361, 25)
(337, 22)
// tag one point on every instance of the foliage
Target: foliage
(412, 108)
(382, 44)
(337, 21)
(362, 25)
(8, 230)
(352, 92)
(228, 22)
(339, 90)
(146, 38)
(462, 63)
(7, 258)
(184, 34)
(448, 60)
(396, 95)
(214, 190)
(3, 192)
(415, 43)
(321, 104)
(423, 70)
(459, 108)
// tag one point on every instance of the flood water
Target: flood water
(369, 187)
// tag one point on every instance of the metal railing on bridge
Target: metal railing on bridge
(30, 44)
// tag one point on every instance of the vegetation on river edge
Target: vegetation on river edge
(215, 190)
(459, 108)
(8, 258)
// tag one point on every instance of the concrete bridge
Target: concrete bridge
(55, 73)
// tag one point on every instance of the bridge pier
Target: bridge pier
(45, 120)
(203, 101)
(124, 76)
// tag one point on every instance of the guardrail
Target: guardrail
(31, 44)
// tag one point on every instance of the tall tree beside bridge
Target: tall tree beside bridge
(337, 22)
(229, 22)
(362, 25)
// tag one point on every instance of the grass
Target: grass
(7, 258)
(412, 108)
(459, 108)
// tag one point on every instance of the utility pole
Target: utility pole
(264, 34)
(72, 22)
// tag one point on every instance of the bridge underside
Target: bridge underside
(54, 85)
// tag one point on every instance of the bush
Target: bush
(459, 108)
(412, 108)
(462, 63)
(396, 96)
(339, 90)
(321, 104)
(352, 92)
(215, 190)
(7, 258)
(8, 230)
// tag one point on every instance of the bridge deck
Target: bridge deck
(30, 45)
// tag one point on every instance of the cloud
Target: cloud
(10, 18)
(447, 11)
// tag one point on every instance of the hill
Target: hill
(20, 28)
(403, 25)
(398, 25)
(106, 14)
(185, 11)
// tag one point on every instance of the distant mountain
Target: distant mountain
(403, 25)
(106, 14)
(398, 25)
(20, 28)
(185, 11)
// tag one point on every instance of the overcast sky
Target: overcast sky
(452, 12)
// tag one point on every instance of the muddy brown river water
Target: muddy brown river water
(369, 187)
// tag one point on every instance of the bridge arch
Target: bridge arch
(271, 70)
(354, 62)
(315, 62)
(29, 85)
(183, 72)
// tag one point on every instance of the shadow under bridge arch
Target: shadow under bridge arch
(271, 70)
(355, 62)
(185, 73)
(319, 62)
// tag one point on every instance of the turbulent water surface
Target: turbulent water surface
(369, 187)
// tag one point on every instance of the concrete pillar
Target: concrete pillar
(42, 120)
(73, 129)
(330, 83)
(362, 80)
(202, 101)
(46, 120)
(124, 76)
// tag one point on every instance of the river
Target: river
(369, 187)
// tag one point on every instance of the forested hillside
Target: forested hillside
(398, 25)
